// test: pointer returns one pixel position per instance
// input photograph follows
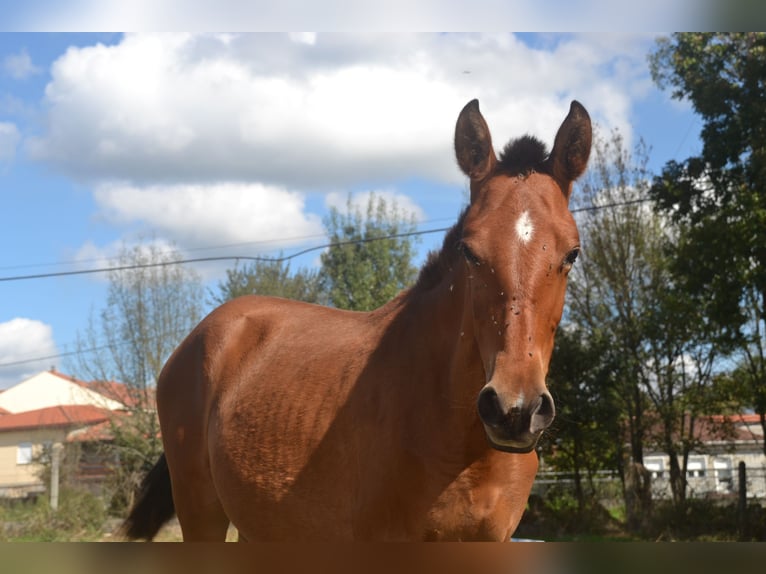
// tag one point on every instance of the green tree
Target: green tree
(664, 350)
(271, 277)
(586, 435)
(717, 197)
(608, 290)
(370, 259)
(151, 306)
(681, 355)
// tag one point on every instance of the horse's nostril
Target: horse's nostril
(490, 410)
(542, 415)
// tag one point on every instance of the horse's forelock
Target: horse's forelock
(522, 156)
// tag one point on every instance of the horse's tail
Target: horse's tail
(154, 504)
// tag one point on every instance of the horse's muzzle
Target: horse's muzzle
(518, 428)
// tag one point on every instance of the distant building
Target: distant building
(51, 410)
(712, 468)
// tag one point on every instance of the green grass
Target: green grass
(81, 516)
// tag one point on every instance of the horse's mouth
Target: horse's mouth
(520, 445)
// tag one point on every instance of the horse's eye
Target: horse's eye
(469, 255)
(571, 258)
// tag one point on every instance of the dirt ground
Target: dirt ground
(171, 532)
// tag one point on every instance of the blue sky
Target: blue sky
(239, 144)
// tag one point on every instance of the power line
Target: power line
(51, 357)
(612, 205)
(280, 259)
(283, 240)
(217, 258)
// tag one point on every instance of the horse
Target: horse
(415, 421)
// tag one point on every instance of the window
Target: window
(723, 475)
(655, 465)
(24, 453)
(695, 468)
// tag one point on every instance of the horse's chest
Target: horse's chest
(482, 505)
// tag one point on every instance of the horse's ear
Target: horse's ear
(473, 144)
(571, 148)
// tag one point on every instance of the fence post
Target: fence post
(742, 501)
(55, 465)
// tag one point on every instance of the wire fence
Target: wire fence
(711, 482)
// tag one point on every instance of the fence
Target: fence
(701, 482)
(719, 506)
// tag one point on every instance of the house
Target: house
(51, 389)
(48, 411)
(712, 468)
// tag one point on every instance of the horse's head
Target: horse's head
(519, 241)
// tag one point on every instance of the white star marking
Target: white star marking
(524, 228)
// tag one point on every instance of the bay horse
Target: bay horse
(415, 421)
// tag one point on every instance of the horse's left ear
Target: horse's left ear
(571, 148)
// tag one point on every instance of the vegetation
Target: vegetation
(557, 517)
(271, 278)
(716, 199)
(80, 516)
(369, 261)
(150, 308)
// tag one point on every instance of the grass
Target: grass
(81, 517)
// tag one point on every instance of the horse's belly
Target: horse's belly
(280, 470)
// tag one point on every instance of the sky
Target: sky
(239, 144)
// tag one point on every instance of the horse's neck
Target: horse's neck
(438, 332)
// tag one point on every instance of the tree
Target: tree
(681, 357)
(717, 198)
(271, 278)
(663, 350)
(150, 308)
(608, 290)
(586, 435)
(370, 259)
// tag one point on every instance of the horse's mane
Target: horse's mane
(520, 157)
(439, 263)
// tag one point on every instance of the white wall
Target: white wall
(47, 389)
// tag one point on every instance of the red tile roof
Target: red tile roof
(119, 392)
(61, 416)
(98, 432)
(749, 418)
(719, 429)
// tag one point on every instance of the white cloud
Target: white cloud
(9, 141)
(321, 113)
(212, 214)
(20, 65)
(360, 201)
(22, 339)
